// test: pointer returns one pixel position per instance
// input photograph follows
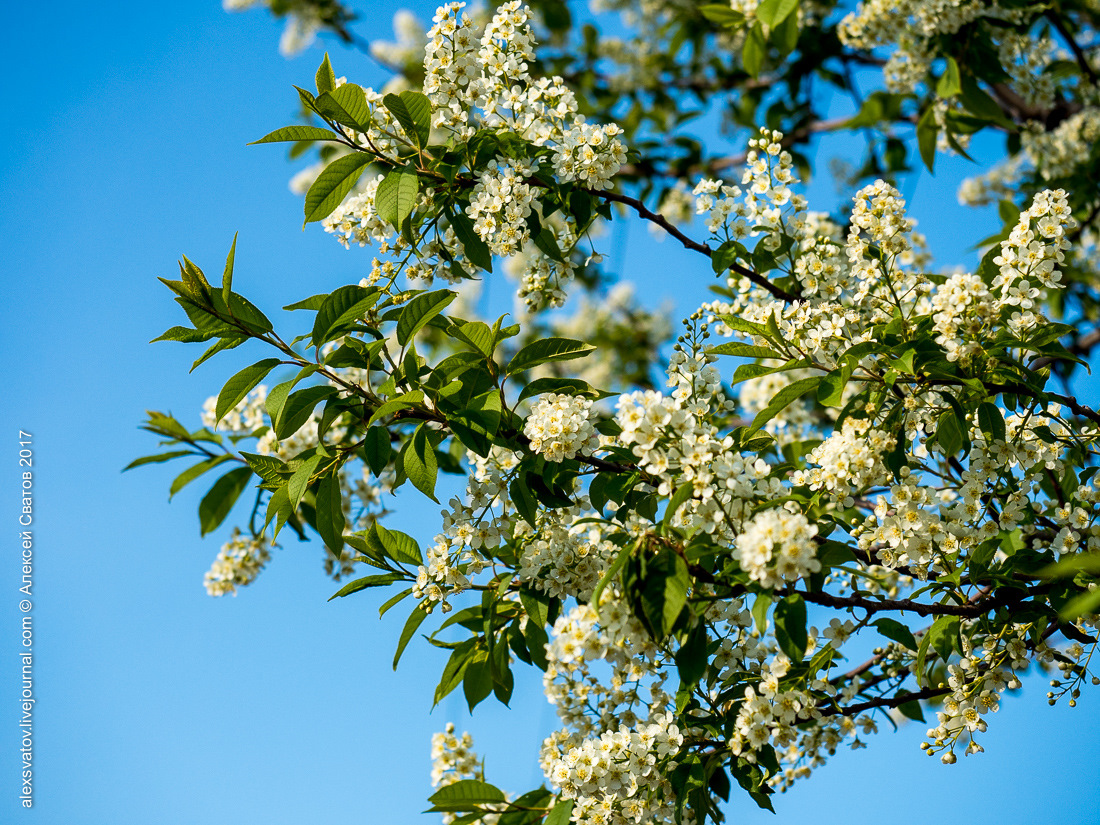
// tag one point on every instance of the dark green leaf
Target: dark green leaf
(242, 384)
(754, 50)
(419, 311)
(790, 626)
(413, 111)
(896, 632)
(295, 133)
(416, 618)
(545, 350)
(395, 198)
(333, 185)
(220, 499)
(420, 462)
(475, 248)
(330, 513)
(783, 399)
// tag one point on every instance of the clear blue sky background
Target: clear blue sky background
(123, 147)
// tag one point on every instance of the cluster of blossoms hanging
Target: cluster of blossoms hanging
(846, 437)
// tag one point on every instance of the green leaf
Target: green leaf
(224, 343)
(193, 472)
(790, 626)
(949, 83)
(346, 105)
(783, 399)
(420, 462)
(927, 130)
(395, 198)
(242, 384)
(911, 710)
(295, 133)
(943, 636)
(691, 658)
(344, 306)
(1070, 566)
(376, 447)
(466, 795)
(333, 185)
(991, 421)
(217, 503)
(299, 482)
(545, 350)
(313, 302)
(394, 544)
(561, 813)
(566, 386)
(949, 432)
(419, 311)
(664, 591)
(1083, 603)
(413, 111)
(741, 350)
(185, 335)
(831, 390)
(475, 248)
(227, 274)
(325, 77)
(298, 408)
(477, 682)
(683, 493)
(723, 16)
(267, 467)
(330, 513)
(612, 572)
(401, 402)
(895, 631)
(380, 580)
(755, 50)
(416, 618)
(773, 12)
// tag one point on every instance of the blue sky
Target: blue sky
(123, 147)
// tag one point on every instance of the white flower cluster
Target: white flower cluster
(453, 757)
(468, 528)
(500, 204)
(589, 154)
(976, 683)
(771, 716)
(543, 279)
(612, 778)
(963, 309)
(742, 213)
(237, 564)
(848, 461)
(492, 75)
(777, 546)
(562, 558)
(1032, 253)
(879, 210)
(560, 426)
(678, 446)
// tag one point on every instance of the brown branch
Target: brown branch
(661, 221)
